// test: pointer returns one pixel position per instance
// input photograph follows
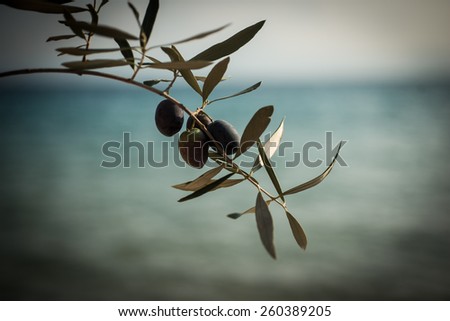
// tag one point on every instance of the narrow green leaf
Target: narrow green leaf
(202, 78)
(188, 76)
(245, 91)
(151, 83)
(297, 231)
(75, 51)
(126, 51)
(71, 23)
(195, 37)
(313, 182)
(142, 38)
(214, 77)
(135, 12)
(230, 45)
(230, 182)
(200, 181)
(100, 30)
(234, 216)
(173, 55)
(153, 59)
(149, 20)
(94, 15)
(42, 6)
(182, 66)
(94, 64)
(269, 169)
(270, 147)
(255, 128)
(205, 189)
(225, 184)
(63, 37)
(264, 223)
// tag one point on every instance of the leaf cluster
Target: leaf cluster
(253, 131)
(133, 50)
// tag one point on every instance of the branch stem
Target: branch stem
(153, 90)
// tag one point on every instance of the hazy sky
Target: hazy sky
(306, 40)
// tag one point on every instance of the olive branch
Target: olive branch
(200, 126)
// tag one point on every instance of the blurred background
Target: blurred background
(374, 74)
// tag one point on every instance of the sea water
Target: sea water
(377, 226)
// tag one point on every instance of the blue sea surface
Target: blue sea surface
(377, 226)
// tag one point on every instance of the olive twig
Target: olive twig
(166, 95)
(172, 82)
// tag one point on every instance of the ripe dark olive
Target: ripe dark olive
(169, 118)
(193, 147)
(204, 119)
(226, 135)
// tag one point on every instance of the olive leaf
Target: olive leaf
(181, 66)
(297, 231)
(269, 169)
(94, 64)
(105, 31)
(126, 51)
(149, 21)
(153, 82)
(173, 55)
(135, 12)
(62, 37)
(54, 7)
(242, 92)
(224, 184)
(154, 59)
(230, 45)
(230, 182)
(94, 14)
(255, 128)
(76, 51)
(200, 181)
(214, 77)
(71, 23)
(202, 79)
(270, 147)
(234, 215)
(206, 189)
(188, 76)
(264, 223)
(313, 182)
